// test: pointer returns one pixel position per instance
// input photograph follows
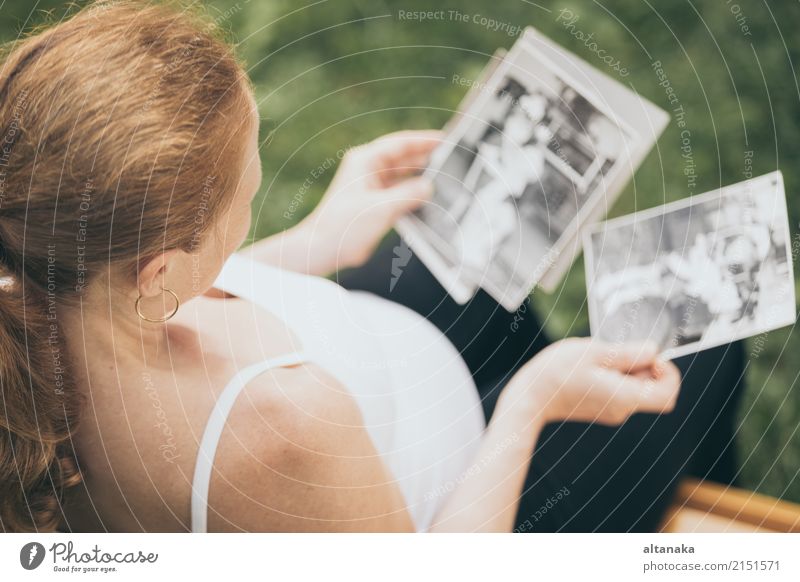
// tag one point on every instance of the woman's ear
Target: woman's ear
(152, 273)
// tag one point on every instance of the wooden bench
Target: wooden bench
(704, 506)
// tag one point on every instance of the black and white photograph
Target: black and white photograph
(697, 273)
(532, 155)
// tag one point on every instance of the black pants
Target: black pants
(583, 477)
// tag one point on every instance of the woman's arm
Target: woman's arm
(296, 249)
(487, 496)
(373, 187)
(574, 379)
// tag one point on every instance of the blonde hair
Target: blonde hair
(120, 138)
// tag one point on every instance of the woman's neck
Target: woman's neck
(103, 328)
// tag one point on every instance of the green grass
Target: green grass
(341, 72)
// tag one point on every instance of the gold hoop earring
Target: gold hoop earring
(143, 317)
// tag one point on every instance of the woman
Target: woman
(156, 380)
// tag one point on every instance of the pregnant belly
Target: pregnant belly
(438, 418)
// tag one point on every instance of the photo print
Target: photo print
(696, 273)
(531, 160)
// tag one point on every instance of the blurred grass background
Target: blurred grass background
(335, 73)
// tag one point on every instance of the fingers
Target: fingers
(402, 149)
(659, 392)
(411, 140)
(409, 194)
(389, 175)
(628, 357)
(643, 392)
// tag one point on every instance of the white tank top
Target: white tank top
(416, 395)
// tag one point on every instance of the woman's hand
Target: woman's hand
(574, 379)
(373, 187)
(585, 380)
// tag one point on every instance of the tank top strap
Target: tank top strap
(213, 431)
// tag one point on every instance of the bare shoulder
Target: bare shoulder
(301, 407)
(295, 456)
